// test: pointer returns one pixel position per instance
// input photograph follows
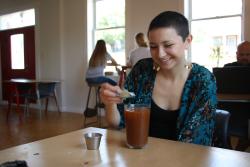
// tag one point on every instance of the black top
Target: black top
(163, 122)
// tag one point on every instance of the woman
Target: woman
(182, 95)
(97, 64)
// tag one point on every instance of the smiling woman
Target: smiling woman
(183, 100)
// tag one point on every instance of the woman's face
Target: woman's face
(167, 47)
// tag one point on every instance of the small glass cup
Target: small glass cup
(137, 124)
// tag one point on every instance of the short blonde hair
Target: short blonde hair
(140, 40)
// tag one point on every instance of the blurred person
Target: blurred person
(97, 64)
(141, 52)
(242, 55)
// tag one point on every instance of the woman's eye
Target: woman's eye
(168, 45)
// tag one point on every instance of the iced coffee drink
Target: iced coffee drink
(137, 124)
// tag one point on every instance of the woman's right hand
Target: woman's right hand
(110, 97)
(110, 94)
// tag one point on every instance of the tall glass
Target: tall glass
(137, 124)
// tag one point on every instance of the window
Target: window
(17, 19)
(17, 52)
(231, 44)
(109, 25)
(216, 29)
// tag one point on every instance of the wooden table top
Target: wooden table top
(69, 150)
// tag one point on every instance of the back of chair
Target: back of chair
(221, 138)
(46, 89)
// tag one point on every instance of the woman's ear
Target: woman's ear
(188, 41)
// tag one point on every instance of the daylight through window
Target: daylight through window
(216, 30)
(17, 19)
(109, 25)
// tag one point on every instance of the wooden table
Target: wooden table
(69, 150)
(234, 97)
(14, 90)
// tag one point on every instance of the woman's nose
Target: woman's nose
(161, 52)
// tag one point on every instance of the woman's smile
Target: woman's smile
(165, 61)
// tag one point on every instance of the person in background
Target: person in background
(243, 60)
(97, 64)
(242, 55)
(141, 52)
(182, 95)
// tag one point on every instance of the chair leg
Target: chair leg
(46, 105)
(18, 109)
(40, 107)
(84, 123)
(28, 111)
(25, 107)
(98, 107)
(58, 109)
(9, 108)
(99, 117)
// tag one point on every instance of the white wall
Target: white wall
(247, 20)
(74, 55)
(49, 42)
(61, 39)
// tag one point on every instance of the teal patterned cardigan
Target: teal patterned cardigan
(196, 120)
